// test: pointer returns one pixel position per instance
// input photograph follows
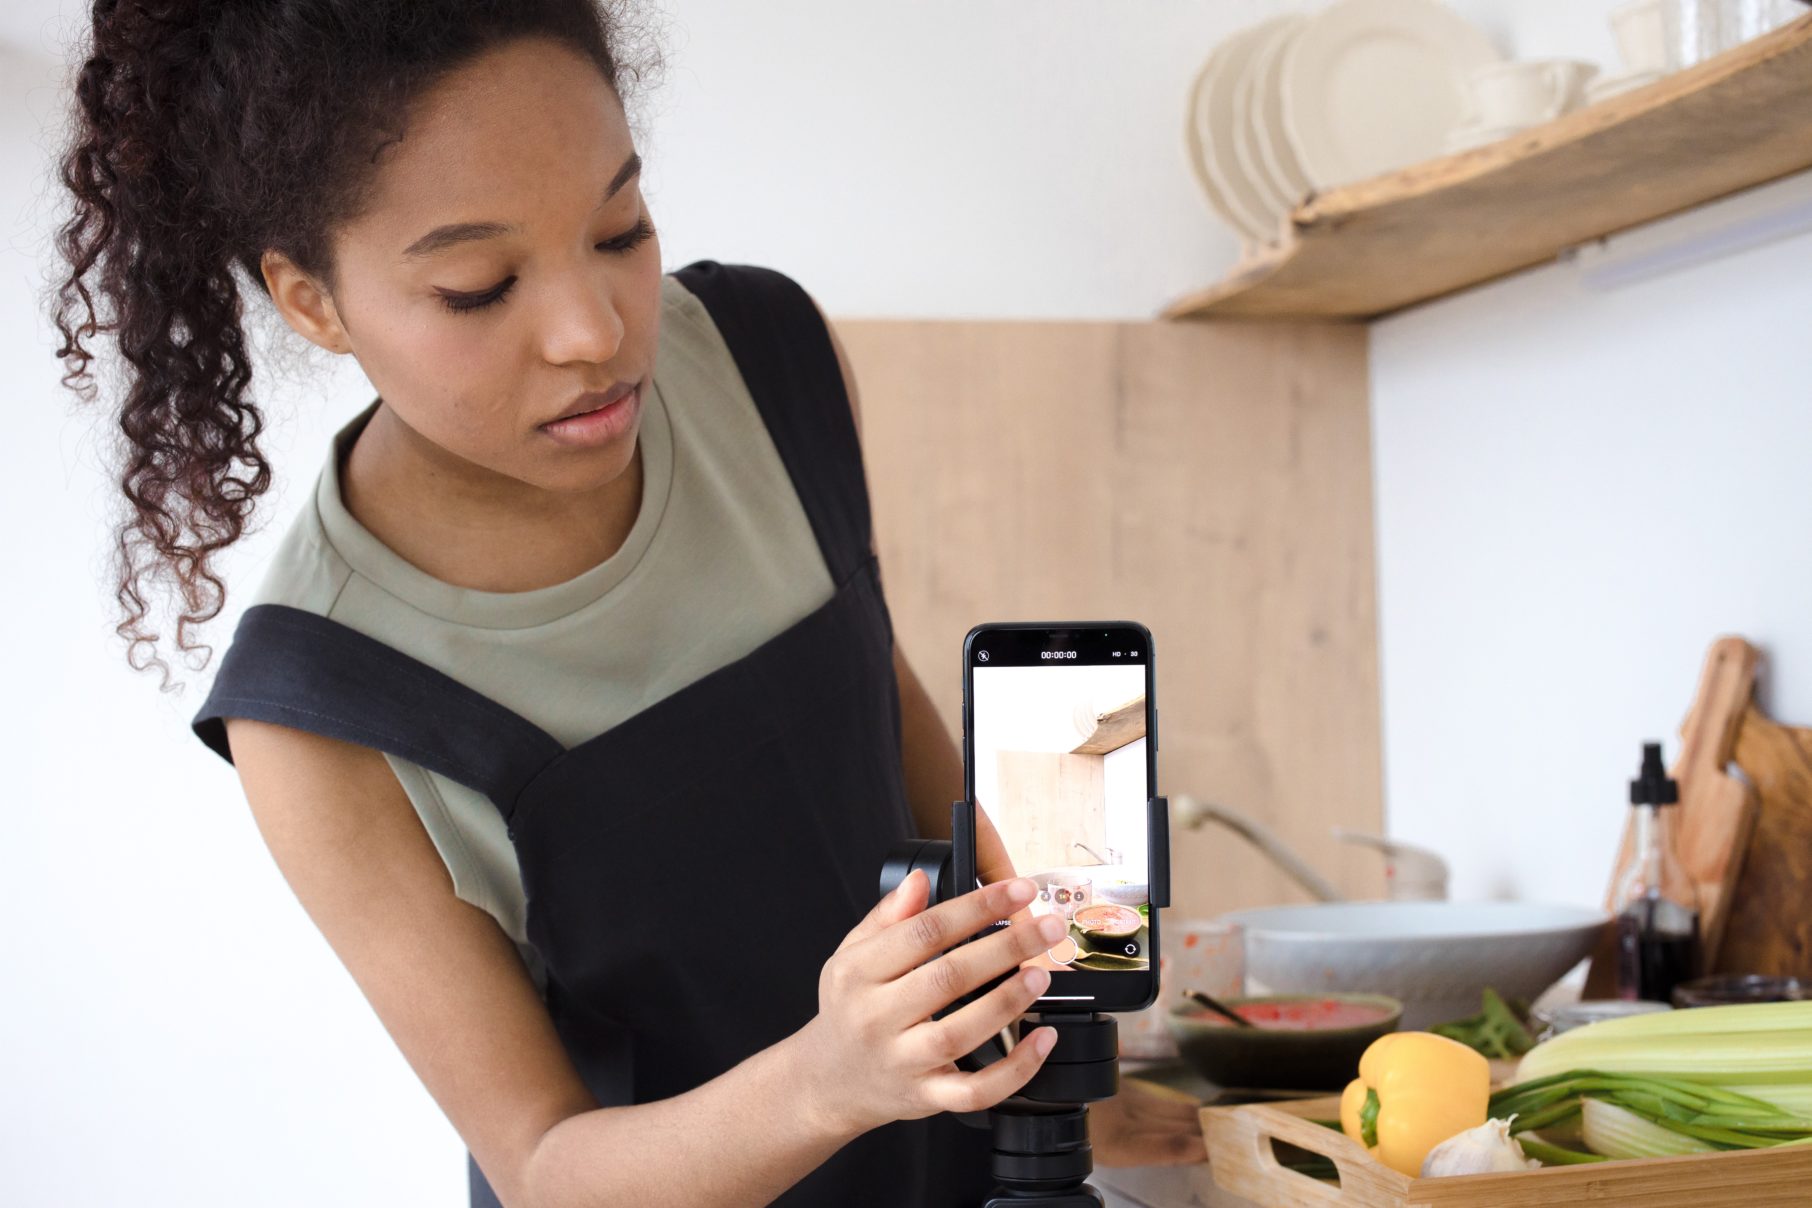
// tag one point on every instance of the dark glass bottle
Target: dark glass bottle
(1656, 904)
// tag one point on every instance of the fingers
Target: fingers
(940, 1041)
(932, 986)
(906, 900)
(908, 943)
(965, 1092)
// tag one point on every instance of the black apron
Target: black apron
(766, 793)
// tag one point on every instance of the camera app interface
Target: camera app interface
(1060, 766)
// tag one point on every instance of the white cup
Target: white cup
(1509, 96)
(1746, 19)
(1695, 31)
(1643, 40)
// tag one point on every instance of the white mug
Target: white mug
(1643, 38)
(1695, 30)
(1746, 19)
(1509, 96)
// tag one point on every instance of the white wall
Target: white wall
(1577, 491)
(177, 1031)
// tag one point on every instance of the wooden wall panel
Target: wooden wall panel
(1212, 481)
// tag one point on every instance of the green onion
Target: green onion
(1556, 1155)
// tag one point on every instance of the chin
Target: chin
(578, 471)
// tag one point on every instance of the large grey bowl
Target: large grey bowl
(1433, 957)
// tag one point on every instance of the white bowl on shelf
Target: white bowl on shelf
(1436, 958)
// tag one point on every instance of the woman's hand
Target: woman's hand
(1146, 1125)
(873, 1054)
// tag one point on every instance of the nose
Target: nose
(581, 322)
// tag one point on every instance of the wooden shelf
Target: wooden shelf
(1367, 249)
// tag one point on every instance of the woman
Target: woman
(569, 707)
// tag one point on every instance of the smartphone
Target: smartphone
(1060, 743)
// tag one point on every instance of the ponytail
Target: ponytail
(150, 264)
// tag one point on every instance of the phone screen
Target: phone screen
(1060, 757)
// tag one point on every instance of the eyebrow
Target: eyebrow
(444, 237)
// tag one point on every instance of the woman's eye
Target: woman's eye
(461, 304)
(466, 303)
(633, 238)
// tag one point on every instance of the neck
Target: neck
(472, 527)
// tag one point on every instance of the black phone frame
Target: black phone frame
(1089, 990)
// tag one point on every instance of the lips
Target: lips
(593, 401)
(597, 420)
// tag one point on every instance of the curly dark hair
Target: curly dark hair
(205, 133)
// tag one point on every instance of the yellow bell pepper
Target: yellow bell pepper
(1414, 1090)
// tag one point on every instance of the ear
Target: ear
(304, 303)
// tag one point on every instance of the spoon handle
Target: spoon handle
(1218, 1009)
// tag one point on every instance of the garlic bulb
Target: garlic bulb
(1483, 1150)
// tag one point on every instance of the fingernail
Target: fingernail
(900, 889)
(1020, 890)
(1051, 929)
(1043, 1041)
(1036, 980)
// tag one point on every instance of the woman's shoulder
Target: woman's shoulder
(306, 571)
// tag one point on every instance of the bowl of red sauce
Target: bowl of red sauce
(1307, 1042)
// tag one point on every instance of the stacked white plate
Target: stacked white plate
(1301, 104)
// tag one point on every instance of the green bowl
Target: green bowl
(1318, 1059)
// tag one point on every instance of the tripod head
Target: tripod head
(1042, 1155)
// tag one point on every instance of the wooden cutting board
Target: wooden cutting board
(1717, 811)
(1769, 925)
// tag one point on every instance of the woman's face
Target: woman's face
(504, 273)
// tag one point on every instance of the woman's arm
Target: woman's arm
(451, 990)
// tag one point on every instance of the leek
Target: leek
(1726, 1058)
(1616, 1133)
(1753, 1044)
(1712, 1078)
(1737, 1017)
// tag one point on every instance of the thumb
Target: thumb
(907, 899)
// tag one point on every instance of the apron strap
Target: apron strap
(783, 350)
(301, 670)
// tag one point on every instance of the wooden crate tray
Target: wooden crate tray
(1243, 1161)
(1366, 249)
